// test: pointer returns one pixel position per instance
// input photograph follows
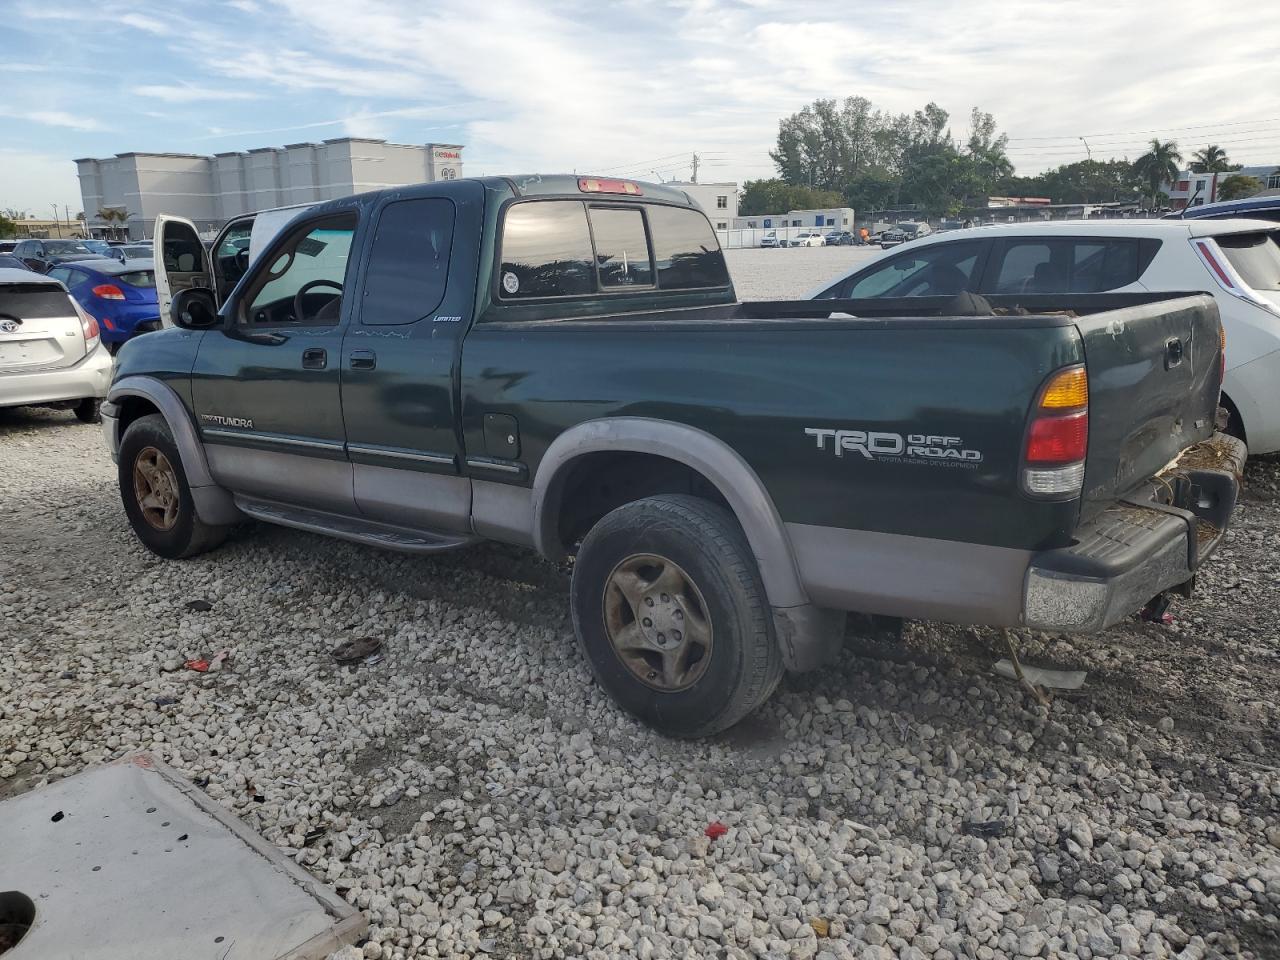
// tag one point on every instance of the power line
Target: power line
(1132, 133)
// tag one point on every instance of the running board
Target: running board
(354, 529)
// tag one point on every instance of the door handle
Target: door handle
(314, 358)
(363, 360)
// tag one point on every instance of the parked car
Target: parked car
(1252, 208)
(50, 350)
(7, 246)
(838, 238)
(133, 251)
(40, 255)
(120, 296)
(807, 240)
(1238, 261)
(99, 247)
(12, 263)
(771, 240)
(424, 367)
(891, 238)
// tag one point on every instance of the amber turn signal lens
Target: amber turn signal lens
(1067, 389)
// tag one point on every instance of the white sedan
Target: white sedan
(1238, 261)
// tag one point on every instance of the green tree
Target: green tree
(1212, 159)
(778, 196)
(7, 227)
(1157, 166)
(1237, 186)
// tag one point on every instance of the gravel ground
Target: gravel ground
(793, 272)
(476, 794)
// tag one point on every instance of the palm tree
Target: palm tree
(1158, 165)
(1212, 159)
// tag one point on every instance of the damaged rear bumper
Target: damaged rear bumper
(1139, 547)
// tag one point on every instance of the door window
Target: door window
(61, 273)
(304, 282)
(409, 262)
(942, 270)
(1066, 265)
(182, 251)
(231, 259)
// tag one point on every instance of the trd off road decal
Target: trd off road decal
(920, 448)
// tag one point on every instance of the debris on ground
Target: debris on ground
(716, 829)
(1043, 676)
(361, 650)
(199, 606)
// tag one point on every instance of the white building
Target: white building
(211, 190)
(1204, 186)
(719, 201)
(830, 218)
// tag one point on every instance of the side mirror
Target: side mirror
(193, 310)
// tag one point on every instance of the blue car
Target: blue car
(1252, 208)
(120, 296)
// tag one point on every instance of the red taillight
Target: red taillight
(1054, 441)
(598, 185)
(108, 291)
(90, 327)
(1058, 436)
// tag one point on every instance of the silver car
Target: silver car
(50, 351)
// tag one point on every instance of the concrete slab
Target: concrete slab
(141, 865)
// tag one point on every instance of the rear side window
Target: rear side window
(685, 249)
(622, 249)
(33, 301)
(546, 251)
(1068, 265)
(409, 262)
(139, 278)
(1256, 257)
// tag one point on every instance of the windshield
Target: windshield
(65, 246)
(1256, 257)
(908, 227)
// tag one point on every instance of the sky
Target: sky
(629, 87)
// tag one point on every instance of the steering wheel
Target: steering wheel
(297, 297)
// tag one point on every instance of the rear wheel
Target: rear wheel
(156, 495)
(670, 612)
(89, 410)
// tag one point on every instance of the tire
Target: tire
(650, 544)
(89, 410)
(171, 533)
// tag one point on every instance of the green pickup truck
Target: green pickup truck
(561, 363)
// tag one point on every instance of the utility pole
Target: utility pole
(56, 222)
(1086, 147)
(693, 177)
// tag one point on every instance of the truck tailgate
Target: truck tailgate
(1154, 377)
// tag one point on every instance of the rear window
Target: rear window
(1256, 257)
(550, 249)
(32, 301)
(546, 251)
(685, 249)
(622, 249)
(409, 263)
(139, 278)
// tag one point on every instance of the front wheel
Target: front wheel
(156, 495)
(670, 612)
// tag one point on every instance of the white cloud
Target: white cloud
(52, 118)
(189, 93)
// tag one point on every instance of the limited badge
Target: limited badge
(510, 282)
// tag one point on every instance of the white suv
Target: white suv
(1238, 261)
